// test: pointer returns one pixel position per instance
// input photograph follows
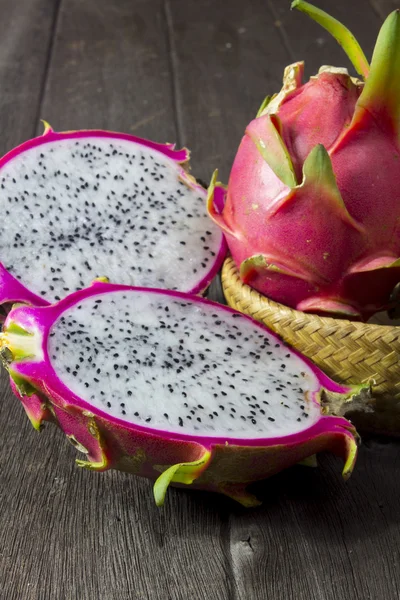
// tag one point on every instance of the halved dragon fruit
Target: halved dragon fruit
(87, 204)
(172, 387)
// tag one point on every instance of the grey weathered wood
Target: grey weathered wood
(195, 71)
(110, 69)
(228, 57)
(26, 30)
(318, 538)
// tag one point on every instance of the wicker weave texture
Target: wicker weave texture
(349, 352)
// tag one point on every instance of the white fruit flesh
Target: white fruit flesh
(181, 365)
(77, 209)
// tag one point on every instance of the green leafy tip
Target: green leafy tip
(210, 192)
(263, 106)
(341, 34)
(18, 343)
(272, 148)
(261, 263)
(318, 175)
(381, 93)
(184, 473)
(212, 212)
(23, 386)
(47, 127)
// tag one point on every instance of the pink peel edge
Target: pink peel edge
(49, 135)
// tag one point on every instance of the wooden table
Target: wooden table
(195, 72)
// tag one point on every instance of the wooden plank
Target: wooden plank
(101, 536)
(229, 56)
(110, 69)
(318, 538)
(25, 37)
(25, 34)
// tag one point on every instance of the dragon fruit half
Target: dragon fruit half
(172, 387)
(87, 204)
(312, 216)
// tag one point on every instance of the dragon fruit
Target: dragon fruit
(312, 213)
(86, 204)
(173, 387)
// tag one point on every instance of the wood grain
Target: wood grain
(318, 538)
(193, 71)
(228, 57)
(26, 29)
(110, 69)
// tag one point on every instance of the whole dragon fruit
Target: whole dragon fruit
(173, 387)
(312, 216)
(85, 204)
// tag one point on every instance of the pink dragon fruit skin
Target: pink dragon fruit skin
(35, 405)
(215, 461)
(312, 213)
(24, 287)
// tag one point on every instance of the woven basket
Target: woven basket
(349, 352)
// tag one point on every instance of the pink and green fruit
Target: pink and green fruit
(173, 387)
(312, 211)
